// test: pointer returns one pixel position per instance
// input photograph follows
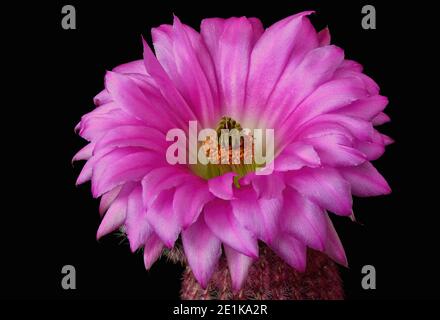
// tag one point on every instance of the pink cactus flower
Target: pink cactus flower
(288, 78)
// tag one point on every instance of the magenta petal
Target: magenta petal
(324, 37)
(230, 43)
(163, 219)
(257, 28)
(372, 150)
(365, 180)
(189, 200)
(211, 30)
(136, 66)
(222, 186)
(86, 172)
(250, 214)
(269, 186)
(295, 156)
(351, 65)
(94, 126)
(329, 97)
(136, 224)
(339, 155)
(325, 186)
(107, 199)
(369, 84)
(292, 251)
(206, 64)
(128, 94)
(317, 129)
(288, 39)
(334, 248)
(316, 68)
(202, 249)
(181, 44)
(336, 150)
(108, 108)
(101, 161)
(141, 100)
(160, 179)
(152, 65)
(220, 219)
(132, 167)
(152, 250)
(270, 210)
(359, 128)
(238, 265)
(132, 136)
(233, 55)
(380, 119)
(387, 140)
(366, 108)
(304, 220)
(115, 215)
(85, 153)
(166, 86)
(163, 47)
(193, 74)
(102, 98)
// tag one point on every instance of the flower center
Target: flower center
(230, 150)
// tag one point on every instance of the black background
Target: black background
(47, 222)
